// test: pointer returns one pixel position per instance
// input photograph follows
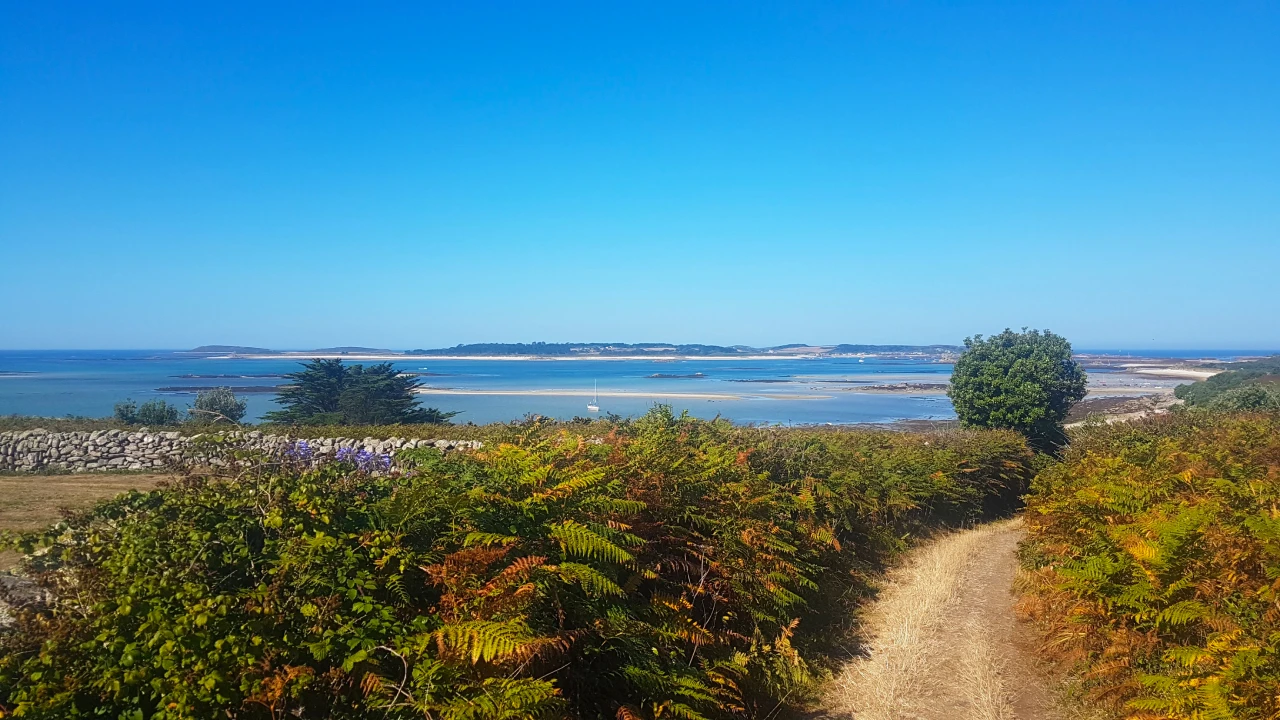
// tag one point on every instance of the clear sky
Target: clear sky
(416, 175)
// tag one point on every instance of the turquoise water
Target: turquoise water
(89, 383)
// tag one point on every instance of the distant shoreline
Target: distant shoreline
(654, 358)
(622, 394)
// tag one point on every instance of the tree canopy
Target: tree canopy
(1255, 372)
(217, 405)
(1024, 381)
(1256, 397)
(326, 392)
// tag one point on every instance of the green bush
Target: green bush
(671, 568)
(1265, 398)
(1155, 553)
(152, 412)
(126, 411)
(1024, 381)
(217, 405)
(1204, 392)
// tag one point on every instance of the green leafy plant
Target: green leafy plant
(1255, 397)
(1155, 564)
(152, 412)
(217, 405)
(1024, 381)
(668, 568)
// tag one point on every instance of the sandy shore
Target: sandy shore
(1171, 371)
(622, 394)
(1110, 391)
(918, 389)
(429, 358)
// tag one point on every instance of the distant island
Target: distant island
(590, 350)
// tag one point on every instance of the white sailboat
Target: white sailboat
(594, 405)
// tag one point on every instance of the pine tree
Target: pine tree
(326, 392)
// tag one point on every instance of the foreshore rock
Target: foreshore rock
(141, 449)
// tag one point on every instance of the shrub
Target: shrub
(1265, 398)
(1155, 549)
(217, 405)
(126, 411)
(1244, 374)
(671, 568)
(152, 412)
(1024, 381)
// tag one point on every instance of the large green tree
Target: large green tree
(326, 392)
(1025, 381)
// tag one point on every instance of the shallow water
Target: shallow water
(55, 383)
(89, 383)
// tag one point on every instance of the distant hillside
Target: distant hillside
(584, 349)
(354, 349)
(660, 349)
(1240, 375)
(544, 349)
(238, 349)
(926, 349)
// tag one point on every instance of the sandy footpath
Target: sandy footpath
(944, 640)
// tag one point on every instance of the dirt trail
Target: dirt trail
(944, 641)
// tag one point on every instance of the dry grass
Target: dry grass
(904, 627)
(30, 501)
(981, 678)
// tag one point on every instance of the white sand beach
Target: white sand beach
(622, 394)
(1172, 371)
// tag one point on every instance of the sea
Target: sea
(787, 391)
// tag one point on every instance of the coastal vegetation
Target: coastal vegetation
(1024, 381)
(211, 406)
(589, 349)
(217, 405)
(1257, 397)
(1262, 374)
(669, 567)
(662, 567)
(327, 392)
(152, 412)
(1154, 556)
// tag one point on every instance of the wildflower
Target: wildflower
(365, 460)
(301, 451)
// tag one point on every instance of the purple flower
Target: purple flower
(300, 450)
(365, 460)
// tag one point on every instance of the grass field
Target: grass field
(32, 501)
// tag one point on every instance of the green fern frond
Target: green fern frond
(1181, 613)
(593, 582)
(484, 640)
(579, 540)
(485, 539)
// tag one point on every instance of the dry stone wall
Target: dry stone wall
(141, 449)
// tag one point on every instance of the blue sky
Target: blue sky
(417, 175)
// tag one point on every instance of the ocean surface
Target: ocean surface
(788, 391)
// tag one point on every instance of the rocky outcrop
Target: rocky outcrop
(141, 449)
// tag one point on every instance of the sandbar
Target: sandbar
(1176, 372)
(620, 394)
